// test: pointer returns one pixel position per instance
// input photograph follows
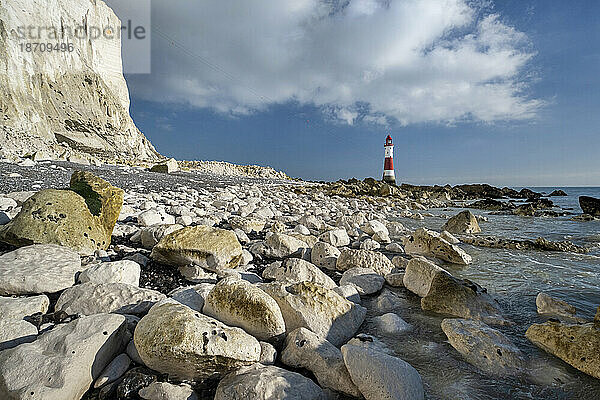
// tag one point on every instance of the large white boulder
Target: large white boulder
(365, 280)
(419, 274)
(174, 339)
(97, 298)
(324, 255)
(236, 302)
(19, 307)
(123, 271)
(259, 382)
(461, 223)
(305, 349)
(380, 376)
(350, 258)
(430, 243)
(336, 237)
(62, 363)
(207, 247)
(296, 270)
(314, 307)
(40, 268)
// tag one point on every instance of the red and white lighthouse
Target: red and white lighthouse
(388, 165)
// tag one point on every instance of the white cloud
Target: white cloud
(410, 60)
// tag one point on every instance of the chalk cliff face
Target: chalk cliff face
(64, 102)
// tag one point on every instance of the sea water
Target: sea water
(514, 278)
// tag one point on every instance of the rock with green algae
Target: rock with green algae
(174, 339)
(239, 303)
(210, 248)
(577, 345)
(82, 218)
(323, 311)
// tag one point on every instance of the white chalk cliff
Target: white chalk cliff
(61, 101)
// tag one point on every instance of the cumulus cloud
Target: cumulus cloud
(376, 61)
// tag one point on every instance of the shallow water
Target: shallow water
(514, 278)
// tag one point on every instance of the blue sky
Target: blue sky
(502, 92)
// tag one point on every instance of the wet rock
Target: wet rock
(350, 258)
(167, 391)
(551, 306)
(324, 255)
(540, 244)
(133, 381)
(381, 376)
(19, 307)
(209, 248)
(82, 218)
(323, 311)
(558, 192)
(429, 243)
(525, 210)
(95, 298)
(259, 382)
(38, 269)
(365, 280)
(123, 271)
(590, 205)
(486, 348)
(174, 339)
(492, 205)
(388, 301)
(391, 324)
(62, 363)
(296, 270)
(304, 349)
(577, 345)
(463, 222)
(461, 298)
(14, 332)
(238, 303)
(114, 370)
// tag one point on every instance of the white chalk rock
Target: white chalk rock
(167, 391)
(268, 353)
(280, 245)
(238, 303)
(174, 339)
(430, 243)
(462, 223)
(373, 227)
(260, 382)
(96, 298)
(380, 376)
(14, 332)
(369, 244)
(419, 275)
(114, 370)
(304, 349)
(151, 235)
(365, 280)
(19, 307)
(335, 237)
(314, 307)
(296, 270)
(40, 268)
(324, 255)
(123, 271)
(248, 224)
(350, 258)
(349, 292)
(62, 363)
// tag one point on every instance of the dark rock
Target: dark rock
(558, 192)
(540, 204)
(590, 205)
(525, 210)
(134, 380)
(540, 244)
(492, 205)
(528, 194)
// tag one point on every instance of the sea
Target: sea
(514, 278)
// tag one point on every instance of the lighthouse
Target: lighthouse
(388, 165)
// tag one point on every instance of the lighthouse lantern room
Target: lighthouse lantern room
(388, 165)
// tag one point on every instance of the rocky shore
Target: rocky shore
(117, 282)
